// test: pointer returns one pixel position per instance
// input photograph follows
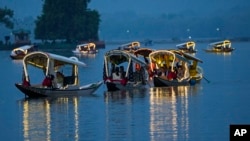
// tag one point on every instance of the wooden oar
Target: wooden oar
(206, 79)
(149, 84)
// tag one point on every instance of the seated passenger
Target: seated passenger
(59, 79)
(163, 72)
(115, 74)
(122, 72)
(171, 75)
(139, 75)
(180, 73)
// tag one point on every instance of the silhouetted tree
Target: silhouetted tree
(70, 20)
(5, 17)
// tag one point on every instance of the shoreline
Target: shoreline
(102, 44)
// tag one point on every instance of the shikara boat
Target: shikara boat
(123, 70)
(130, 47)
(188, 47)
(51, 75)
(87, 48)
(170, 69)
(20, 52)
(195, 71)
(220, 47)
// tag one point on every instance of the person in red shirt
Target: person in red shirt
(47, 82)
(171, 75)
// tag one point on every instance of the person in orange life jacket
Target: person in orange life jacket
(151, 68)
(138, 74)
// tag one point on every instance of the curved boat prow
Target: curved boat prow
(92, 85)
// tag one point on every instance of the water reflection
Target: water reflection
(18, 62)
(125, 112)
(85, 55)
(41, 120)
(169, 116)
(223, 53)
(124, 94)
(174, 92)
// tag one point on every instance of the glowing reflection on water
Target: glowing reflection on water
(169, 112)
(40, 119)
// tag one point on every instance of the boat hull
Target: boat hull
(114, 86)
(17, 57)
(85, 52)
(160, 82)
(187, 50)
(220, 51)
(55, 92)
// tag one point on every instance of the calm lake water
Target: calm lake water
(197, 113)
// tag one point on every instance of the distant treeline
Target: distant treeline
(65, 45)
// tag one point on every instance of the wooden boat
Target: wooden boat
(188, 47)
(87, 48)
(98, 43)
(20, 52)
(130, 47)
(123, 70)
(170, 69)
(220, 47)
(195, 71)
(60, 76)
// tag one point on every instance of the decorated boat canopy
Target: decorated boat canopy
(41, 59)
(186, 45)
(167, 58)
(188, 56)
(219, 44)
(118, 56)
(163, 54)
(86, 46)
(130, 46)
(24, 49)
(143, 52)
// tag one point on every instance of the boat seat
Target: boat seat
(37, 85)
(68, 80)
(71, 87)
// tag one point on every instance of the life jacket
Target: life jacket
(137, 67)
(47, 81)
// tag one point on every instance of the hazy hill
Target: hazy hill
(140, 19)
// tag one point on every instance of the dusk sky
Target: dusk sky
(163, 6)
(24, 8)
(149, 19)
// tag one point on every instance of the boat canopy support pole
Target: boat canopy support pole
(25, 72)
